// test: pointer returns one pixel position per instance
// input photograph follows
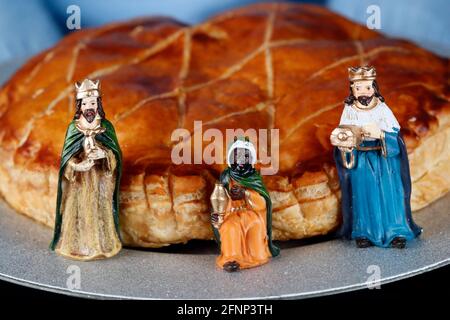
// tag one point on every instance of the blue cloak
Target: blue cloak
(376, 193)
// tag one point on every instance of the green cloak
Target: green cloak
(73, 143)
(254, 182)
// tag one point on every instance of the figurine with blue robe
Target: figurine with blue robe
(373, 168)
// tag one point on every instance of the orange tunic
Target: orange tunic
(243, 233)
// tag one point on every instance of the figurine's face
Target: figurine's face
(363, 88)
(243, 159)
(363, 91)
(240, 158)
(89, 108)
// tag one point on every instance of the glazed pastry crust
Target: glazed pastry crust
(265, 66)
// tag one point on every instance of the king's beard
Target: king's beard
(89, 115)
(365, 100)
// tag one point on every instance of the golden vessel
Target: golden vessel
(219, 200)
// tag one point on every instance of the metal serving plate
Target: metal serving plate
(304, 269)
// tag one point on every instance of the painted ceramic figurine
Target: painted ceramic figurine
(373, 168)
(87, 206)
(242, 212)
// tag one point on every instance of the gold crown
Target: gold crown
(87, 88)
(361, 73)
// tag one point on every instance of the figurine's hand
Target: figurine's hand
(237, 193)
(96, 154)
(215, 218)
(371, 130)
(83, 166)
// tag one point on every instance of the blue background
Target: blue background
(27, 27)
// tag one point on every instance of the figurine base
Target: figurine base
(304, 268)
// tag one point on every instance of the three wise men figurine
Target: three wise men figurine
(242, 212)
(87, 205)
(373, 168)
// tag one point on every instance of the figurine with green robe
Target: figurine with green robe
(87, 205)
(242, 212)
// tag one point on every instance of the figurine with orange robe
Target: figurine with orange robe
(242, 212)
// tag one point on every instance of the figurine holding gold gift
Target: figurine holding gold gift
(373, 168)
(242, 212)
(87, 204)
